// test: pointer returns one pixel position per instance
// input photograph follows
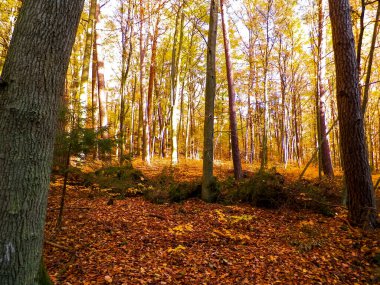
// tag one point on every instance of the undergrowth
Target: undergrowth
(265, 189)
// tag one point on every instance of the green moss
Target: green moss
(43, 277)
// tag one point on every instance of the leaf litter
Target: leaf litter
(136, 242)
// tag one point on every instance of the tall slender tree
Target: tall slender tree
(84, 95)
(99, 54)
(126, 28)
(266, 57)
(208, 179)
(174, 81)
(231, 93)
(370, 60)
(34, 73)
(323, 142)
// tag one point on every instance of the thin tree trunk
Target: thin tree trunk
(152, 75)
(127, 33)
(174, 74)
(361, 36)
(370, 60)
(264, 153)
(102, 96)
(143, 95)
(83, 85)
(133, 119)
(94, 94)
(324, 150)
(238, 173)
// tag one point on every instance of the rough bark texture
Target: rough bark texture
(231, 95)
(208, 145)
(35, 71)
(360, 194)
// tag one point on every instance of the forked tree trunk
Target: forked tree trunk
(35, 71)
(360, 194)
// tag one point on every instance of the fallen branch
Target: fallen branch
(329, 205)
(60, 246)
(157, 216)
(316, 151)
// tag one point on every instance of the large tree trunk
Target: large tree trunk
(208, 145)
(231, 95)
(35, 71)
(360, 194)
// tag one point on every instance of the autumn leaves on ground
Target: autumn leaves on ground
(116, 235)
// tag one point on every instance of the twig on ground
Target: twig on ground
(60, 246)
(157, 216)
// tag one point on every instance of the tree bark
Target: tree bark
(370, 60)
(176, 62)
(83, 86)
(102, 96)
(126, 56)
(152, 76)
(143, 111)
(360, 193)
(208, 144)
(266, 124)
(35, 71)
(231, 95)
(324, 149)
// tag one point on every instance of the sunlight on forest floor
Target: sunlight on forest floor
(132, 241)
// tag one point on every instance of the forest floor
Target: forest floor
(133, 241)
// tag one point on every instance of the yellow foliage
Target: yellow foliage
(181, 229)
(177, 249)
(236, 219)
